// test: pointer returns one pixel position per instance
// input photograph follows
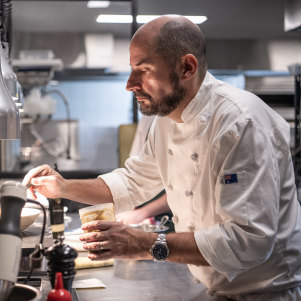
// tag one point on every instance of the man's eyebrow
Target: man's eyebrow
(143, 61)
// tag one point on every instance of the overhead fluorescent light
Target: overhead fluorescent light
(146, 18)
(114, 19)
(141, 18)
(98, 4)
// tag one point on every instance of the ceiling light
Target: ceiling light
(147, 18)
(98, 4)
(197, 19)
(141, 18)
(114, 19)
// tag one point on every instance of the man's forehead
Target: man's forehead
(141, 53)
(141, 59)
(142, 41)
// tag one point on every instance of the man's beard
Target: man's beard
(167, 103)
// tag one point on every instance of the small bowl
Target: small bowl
(28, 216)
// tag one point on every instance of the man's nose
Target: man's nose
(133, 83)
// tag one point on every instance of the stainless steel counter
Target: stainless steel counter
(130, 280)
(144, 280)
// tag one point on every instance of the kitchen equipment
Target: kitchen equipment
(56, 209)
(163, 221)
(61, 258)
(9, 76)
(28, 216)
(9, 114)
(13, 197)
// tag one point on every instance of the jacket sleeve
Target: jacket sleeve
(138, 182)
(247, 192)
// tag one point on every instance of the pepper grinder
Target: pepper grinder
(61, 259)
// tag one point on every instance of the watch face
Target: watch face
(160, 252)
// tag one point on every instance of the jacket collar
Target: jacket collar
(200, 100)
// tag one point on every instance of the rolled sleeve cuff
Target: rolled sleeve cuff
(217, 252)
(119, 191)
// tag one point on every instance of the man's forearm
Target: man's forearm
(182, 248)
(90, 191)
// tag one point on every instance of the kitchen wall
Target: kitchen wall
(100, 107)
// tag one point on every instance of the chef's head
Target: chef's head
(168, 60)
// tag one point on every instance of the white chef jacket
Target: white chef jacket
(141, 134)
(229, 178)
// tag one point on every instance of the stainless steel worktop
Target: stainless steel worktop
(144, 280)
(130, 280)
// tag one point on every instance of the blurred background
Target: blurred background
(72, 72)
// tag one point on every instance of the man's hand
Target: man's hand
(44, 180)
(116, 240)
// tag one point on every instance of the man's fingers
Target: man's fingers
(105, 255)
(97, 225)
(96, 246)
(42, 180)
(92, 236)
(31, 194)
(40, 170)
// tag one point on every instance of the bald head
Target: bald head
(172, 36)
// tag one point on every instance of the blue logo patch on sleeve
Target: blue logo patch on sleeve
(229, 179)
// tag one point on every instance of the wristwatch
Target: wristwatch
(160, 250)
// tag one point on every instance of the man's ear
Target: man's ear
(189, 66)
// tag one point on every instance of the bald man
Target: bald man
(222, 156)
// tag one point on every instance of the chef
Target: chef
(223, 157)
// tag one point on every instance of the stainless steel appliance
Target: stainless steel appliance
(13, 198)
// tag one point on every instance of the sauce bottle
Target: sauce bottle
(59, 293)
